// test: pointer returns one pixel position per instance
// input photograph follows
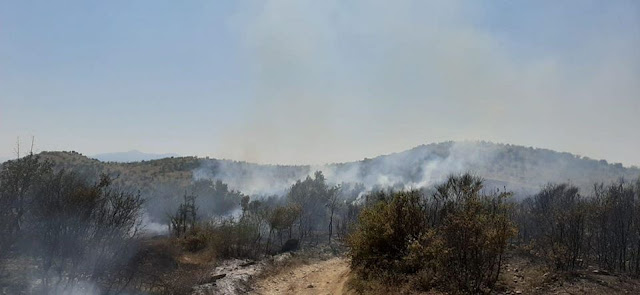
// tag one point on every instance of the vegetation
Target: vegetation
(453, 240)
(73, 229)
(572, 231)
(75, 222)
(524, 170)
(264, 225)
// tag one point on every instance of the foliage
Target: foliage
(454, 240)
(312, 196)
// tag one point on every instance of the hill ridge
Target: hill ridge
(520, 168)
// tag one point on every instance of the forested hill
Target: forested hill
(520, 169)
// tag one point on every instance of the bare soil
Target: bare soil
(321, 277)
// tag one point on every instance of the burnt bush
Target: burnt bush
(79, 229)
(19, 182)
(291, 245)
(571, 231)
(80, 232)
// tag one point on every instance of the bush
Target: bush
(72, 228)
(451, 241)
(82, 230)
(386, 230)
(194, 242)
(224, 238)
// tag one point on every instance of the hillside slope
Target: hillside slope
(520, 169)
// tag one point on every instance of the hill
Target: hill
(131, 156)
(520, 169)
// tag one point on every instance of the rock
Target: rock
(281, 257)
(310, 286)
(249, 263)
(291, 245)
(601, 272)
(229, 277)
(212, 279)
(518, 292)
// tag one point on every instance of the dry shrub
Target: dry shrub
(194, 242)
(453, 241)
(222, 239)
(162, 267)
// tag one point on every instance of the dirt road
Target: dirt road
(323, 277)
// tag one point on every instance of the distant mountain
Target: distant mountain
(131, 156)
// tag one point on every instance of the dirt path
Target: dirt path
(324, 277)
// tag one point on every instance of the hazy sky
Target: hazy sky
(319, 81)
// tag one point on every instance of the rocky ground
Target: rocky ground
(236, 276)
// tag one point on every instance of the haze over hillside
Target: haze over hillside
(520, 169)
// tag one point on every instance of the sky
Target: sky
(310, 82)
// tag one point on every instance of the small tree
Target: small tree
(282, 218)
(184, 218)
(311, 196)
(559, 220)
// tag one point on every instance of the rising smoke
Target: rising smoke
(336, 81)
(519, 169)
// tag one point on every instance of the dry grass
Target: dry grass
(165, 268)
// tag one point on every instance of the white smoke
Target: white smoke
(341, 80)
(417, 168)
(150, 227)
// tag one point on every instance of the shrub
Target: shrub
(194, 242)
(451, 241)
(386, 230)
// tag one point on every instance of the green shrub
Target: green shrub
(385, 232)
(453, 241)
